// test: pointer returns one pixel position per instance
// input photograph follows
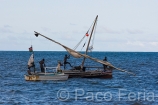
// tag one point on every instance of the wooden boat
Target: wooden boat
(38, 77)
(88, 74)
(98, 72)
(80, 71)
(47, 75)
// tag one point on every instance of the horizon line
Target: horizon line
(77, 51)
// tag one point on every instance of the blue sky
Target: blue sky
(123, 25)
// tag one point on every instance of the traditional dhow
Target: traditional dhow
(81, 70)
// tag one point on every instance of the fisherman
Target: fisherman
(31, 65)
(58, 67)
(29, 71)
(105, 66)
(42, 65)
(65, 60)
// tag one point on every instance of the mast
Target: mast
(89, 41)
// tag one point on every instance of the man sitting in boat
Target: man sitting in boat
(42, 65)
(65, 60)
(105, 66)
(58, 67)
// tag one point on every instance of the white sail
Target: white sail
(31, 61)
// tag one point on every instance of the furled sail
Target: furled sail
(78, 55)
(73, 53)
(31, 61)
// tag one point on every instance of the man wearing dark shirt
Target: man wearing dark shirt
(42, 64)
(105, 66)
(65, 60)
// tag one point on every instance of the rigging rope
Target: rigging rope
(79, 43)
(83, 38)
(91, 46)
(84, 44)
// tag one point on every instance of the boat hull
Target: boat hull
(38, 77)
(88, 74)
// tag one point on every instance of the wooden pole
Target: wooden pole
(89, 42)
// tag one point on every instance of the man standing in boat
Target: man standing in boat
(65, 61)
(105, 66)
(42, 65)
(31, 66)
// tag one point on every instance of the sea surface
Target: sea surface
(122, 89)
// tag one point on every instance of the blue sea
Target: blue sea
(122, 89)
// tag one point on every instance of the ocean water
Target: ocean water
(122, 89)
